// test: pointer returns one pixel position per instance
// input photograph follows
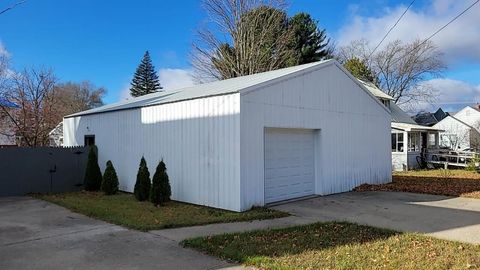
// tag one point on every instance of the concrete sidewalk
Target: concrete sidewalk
(179, 234)
(39, 235)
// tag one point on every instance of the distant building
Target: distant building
(430, 119)
(461, 130)
(55, 136)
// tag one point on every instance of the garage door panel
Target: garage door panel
(288, 172)
(285, 162)
(289, 164)
(288, 192)
(290, 180)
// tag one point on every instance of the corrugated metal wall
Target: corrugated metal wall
(353, 137)
(198, 139)
(215, 156)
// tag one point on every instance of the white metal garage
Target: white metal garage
(289, 164)
(248, 141)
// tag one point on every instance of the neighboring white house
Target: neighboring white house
(470, 115)
(55, 136)
(408, 139)
(462, 130)
(248, 141)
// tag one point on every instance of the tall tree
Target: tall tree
(402, 68)
(256, 39)
(311, 43)
(360, 70)
(145, 80)
(252, 36)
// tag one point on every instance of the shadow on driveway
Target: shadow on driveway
(440, 216)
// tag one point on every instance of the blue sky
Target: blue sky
(103, 41)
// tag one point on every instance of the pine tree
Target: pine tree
(143, 184)
(161, 190)
(311, 43)
(93, 175)
(110, 180)
(145, 80)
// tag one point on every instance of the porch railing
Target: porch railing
(448, 158)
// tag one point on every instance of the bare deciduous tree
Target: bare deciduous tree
(401, 68)
(243, 37)
(73, 97)
(33, 92)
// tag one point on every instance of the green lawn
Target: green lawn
(123, 209)
(338, 246)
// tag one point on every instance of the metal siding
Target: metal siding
(289, 163)
(353, 142)
(198, 139)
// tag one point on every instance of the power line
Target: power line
(12, 6)
(451, 21)
(391, 28)
(439, 30)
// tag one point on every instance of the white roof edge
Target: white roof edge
(375, 90)
(319, 65)
(300, 69)
(153, 99)
(413, 127)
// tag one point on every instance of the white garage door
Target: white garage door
(289, 164)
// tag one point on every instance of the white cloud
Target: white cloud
(170, 79)
(124, 93)
(460, 39)
(175, 78)
(452, 95)
(3, 50)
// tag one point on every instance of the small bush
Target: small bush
(472, 165)
(93, 175)
(143, 184)
(110, 180)
(161, 190)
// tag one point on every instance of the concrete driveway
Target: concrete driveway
(439, 216)
(38, 235)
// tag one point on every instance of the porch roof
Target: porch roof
(413, 127)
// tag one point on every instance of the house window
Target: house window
(89, 140)
(449, 140)
(431, 139)
(397, 142)
(414, 142)
(385, 102)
